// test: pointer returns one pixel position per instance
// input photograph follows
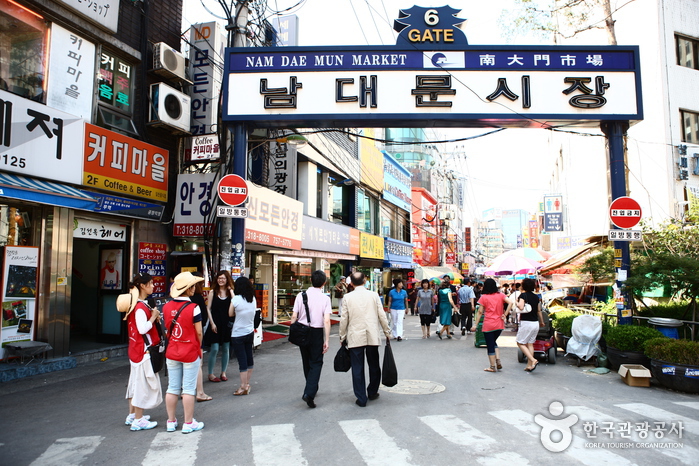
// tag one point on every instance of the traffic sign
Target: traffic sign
(625, 212)
(233, 190)
(232, 212)
(625, 235)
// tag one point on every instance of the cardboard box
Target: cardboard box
(635, 375)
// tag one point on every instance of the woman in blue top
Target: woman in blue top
(398, 305)
(243, 307)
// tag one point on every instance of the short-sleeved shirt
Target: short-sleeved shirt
(465, 294)
(533, 300)
(244, 316)
(494, 309)
(318, 305)
(424, 301)
(398, 298)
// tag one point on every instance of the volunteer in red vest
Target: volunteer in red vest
(143, 390)
(184, 351)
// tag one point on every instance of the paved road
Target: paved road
(469, 417)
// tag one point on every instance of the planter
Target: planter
(677, 377)
(561, 341)
(617, 358)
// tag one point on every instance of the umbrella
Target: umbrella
(530, 253)
(512, 265)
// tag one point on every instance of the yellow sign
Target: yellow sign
(370, 246)
(371, 160)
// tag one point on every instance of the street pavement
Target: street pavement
(445, 411)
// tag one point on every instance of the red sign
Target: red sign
(233, 190)
(625, 212)
(451, 258)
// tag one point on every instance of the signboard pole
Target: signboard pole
(616, 132)
(240, 168)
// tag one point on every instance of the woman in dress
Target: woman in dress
(143, 390)
(529, 322)
(243, 308)
(217, 336)
(446, 307)
(424, 304)
(493, 304)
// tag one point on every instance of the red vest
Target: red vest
(136, 343)
(183, 344)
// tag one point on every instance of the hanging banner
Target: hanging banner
(152, 260)
(19, 287)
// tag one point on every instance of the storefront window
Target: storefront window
(15, 226)
(23, 51)
(367, 213)
(294, 277)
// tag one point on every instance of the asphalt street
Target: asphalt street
(445, 410)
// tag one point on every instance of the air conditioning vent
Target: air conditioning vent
(170, 107)
(168, 62)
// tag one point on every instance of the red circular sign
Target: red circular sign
(625, 212)
(233, 190)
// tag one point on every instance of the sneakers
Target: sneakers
(192, 426)
(142, 424)
(131, 417)
(172, 425)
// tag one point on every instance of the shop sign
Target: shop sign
(103, 12)
(116, 81)
(282, 168)
(208, 42)
(36, 140)
(118, 163)
(354, 241)
(396, 183)
(19, 285)
(204, 147)
(450, 257)
(287, 28)
(90, 229)
(71, 73)
(398, 251)
(152, 260)
(124, 207)
(371, 246)
(193, 204)
(371, 161)
(320, 235)
(273, 219)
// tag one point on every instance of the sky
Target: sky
(505, 171)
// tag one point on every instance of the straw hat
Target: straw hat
(127, 302)
(182, 282)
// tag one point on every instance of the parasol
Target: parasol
(512, 265)
(538, 255)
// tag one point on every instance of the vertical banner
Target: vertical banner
(152, 260)
(19, 277)
(205, 59)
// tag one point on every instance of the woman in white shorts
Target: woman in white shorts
(529, 322)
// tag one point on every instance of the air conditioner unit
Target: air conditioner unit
(445, 215)
(169, 107)
(168, 62)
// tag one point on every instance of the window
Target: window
(690, 126)
(367, 213)
(23, 51)
(687, 52)
(115, 82)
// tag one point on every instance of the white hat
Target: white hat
(182, 283)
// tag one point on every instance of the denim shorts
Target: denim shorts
(182, 377)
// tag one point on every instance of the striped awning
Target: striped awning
(44, 192)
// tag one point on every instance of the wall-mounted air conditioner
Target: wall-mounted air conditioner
(169, 107)
(168, 62)
(445, 215)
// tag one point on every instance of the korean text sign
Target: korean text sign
(273, 218)
(118, 163)
(196, 193)
(18, 290)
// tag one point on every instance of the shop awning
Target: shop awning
(429, 273)
(566, 257)
(399, 265)
(44, 192)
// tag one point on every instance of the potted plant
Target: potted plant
(563, 323)
(625, 344)
(674, 363)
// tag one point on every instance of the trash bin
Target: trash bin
(479, 340)
(667, 327)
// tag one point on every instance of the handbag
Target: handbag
(433, 317)
(157, 352)
(342, 362)
(389, 372)
(527, 307)
(258, 319)
(299, 334)
(456, 319)
(338, 294)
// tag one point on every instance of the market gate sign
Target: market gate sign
(432, 77)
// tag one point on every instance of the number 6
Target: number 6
(431, 17)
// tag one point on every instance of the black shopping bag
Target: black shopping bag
(389, 372)
(455, 319)
(342, 359)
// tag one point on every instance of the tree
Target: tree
(598, 268)
(563, 19)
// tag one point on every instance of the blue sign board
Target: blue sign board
(126, 207)
(398, 254)
(396, 183)
(553, 222)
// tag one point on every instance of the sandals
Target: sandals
(499, 365)
(203, 398)
(490, 369)
(240, 392)
(531, 369)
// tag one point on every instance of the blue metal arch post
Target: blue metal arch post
(616, 132)
(240, 168)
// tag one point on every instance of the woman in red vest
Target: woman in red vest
(143, 391)
(184, 352)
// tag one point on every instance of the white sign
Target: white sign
(19, 288)
(36, 140)
(282, 168)
(103, 231)
(205, 70)
(195, 199)
(103, 12)
(273, 219)
(232, 212)
(205, 147)
(71, 73)
(625, 235)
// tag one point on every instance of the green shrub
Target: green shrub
(671, 310)
(630, 337)
(564, 325)
(673, 351)
(561, 314)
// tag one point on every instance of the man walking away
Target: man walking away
(362, 313)
(467, 299)
(319, 309)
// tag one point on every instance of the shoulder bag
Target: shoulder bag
(527, 307)
(157, 352)
(299, 334)
(389, 372)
